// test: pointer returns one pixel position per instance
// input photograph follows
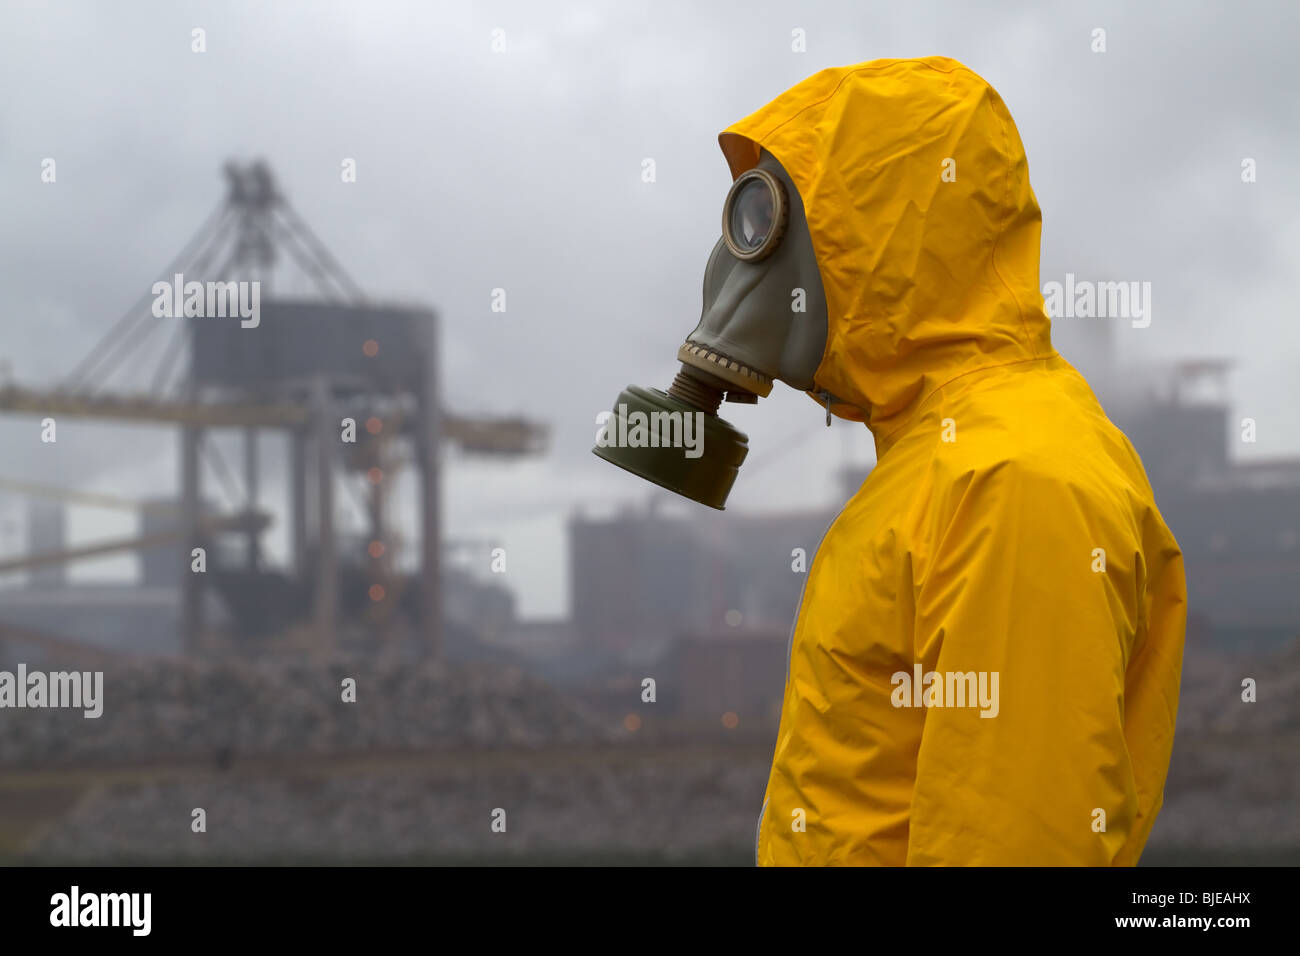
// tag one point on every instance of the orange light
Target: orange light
(370, 348)
(376, 549)
(632, 722)
(730, 720)
(376, 592)
(374, 425)
(375, 476)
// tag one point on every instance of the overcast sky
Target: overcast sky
(522, 170)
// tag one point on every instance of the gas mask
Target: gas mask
(764, 320)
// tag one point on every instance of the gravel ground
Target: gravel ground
(198, 709)
(1233, 786)
(665, 810)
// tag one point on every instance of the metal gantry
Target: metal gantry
(242, 241)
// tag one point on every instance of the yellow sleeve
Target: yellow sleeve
(1152, 680)
(1040, 588)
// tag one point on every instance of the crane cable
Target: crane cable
(77, 377)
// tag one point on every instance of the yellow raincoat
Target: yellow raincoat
(986, 660)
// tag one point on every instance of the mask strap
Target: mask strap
(827, 395)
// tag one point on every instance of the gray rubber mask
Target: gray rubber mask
(764, 320)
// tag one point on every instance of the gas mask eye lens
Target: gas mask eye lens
(754, 215)
(751, 215)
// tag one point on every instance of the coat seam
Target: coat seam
(920, 406)
(1001, 232)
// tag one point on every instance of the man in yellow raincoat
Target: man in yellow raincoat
(985, 665)
(984, 668)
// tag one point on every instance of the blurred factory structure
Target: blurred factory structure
(1238, 522)
(352, 388)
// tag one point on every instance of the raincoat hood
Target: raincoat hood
(916, 190)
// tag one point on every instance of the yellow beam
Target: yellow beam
(238, 522)
(143, 408)
(37, 490)
(481, 435)
(496, 436)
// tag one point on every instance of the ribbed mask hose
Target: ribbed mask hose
(691, 390)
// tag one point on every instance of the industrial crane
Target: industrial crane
(243, 239)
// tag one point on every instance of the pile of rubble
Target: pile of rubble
(1213, 685)
(491, 739)
(197, 709)
(1233, 781)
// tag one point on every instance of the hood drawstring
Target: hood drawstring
(827, 396)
